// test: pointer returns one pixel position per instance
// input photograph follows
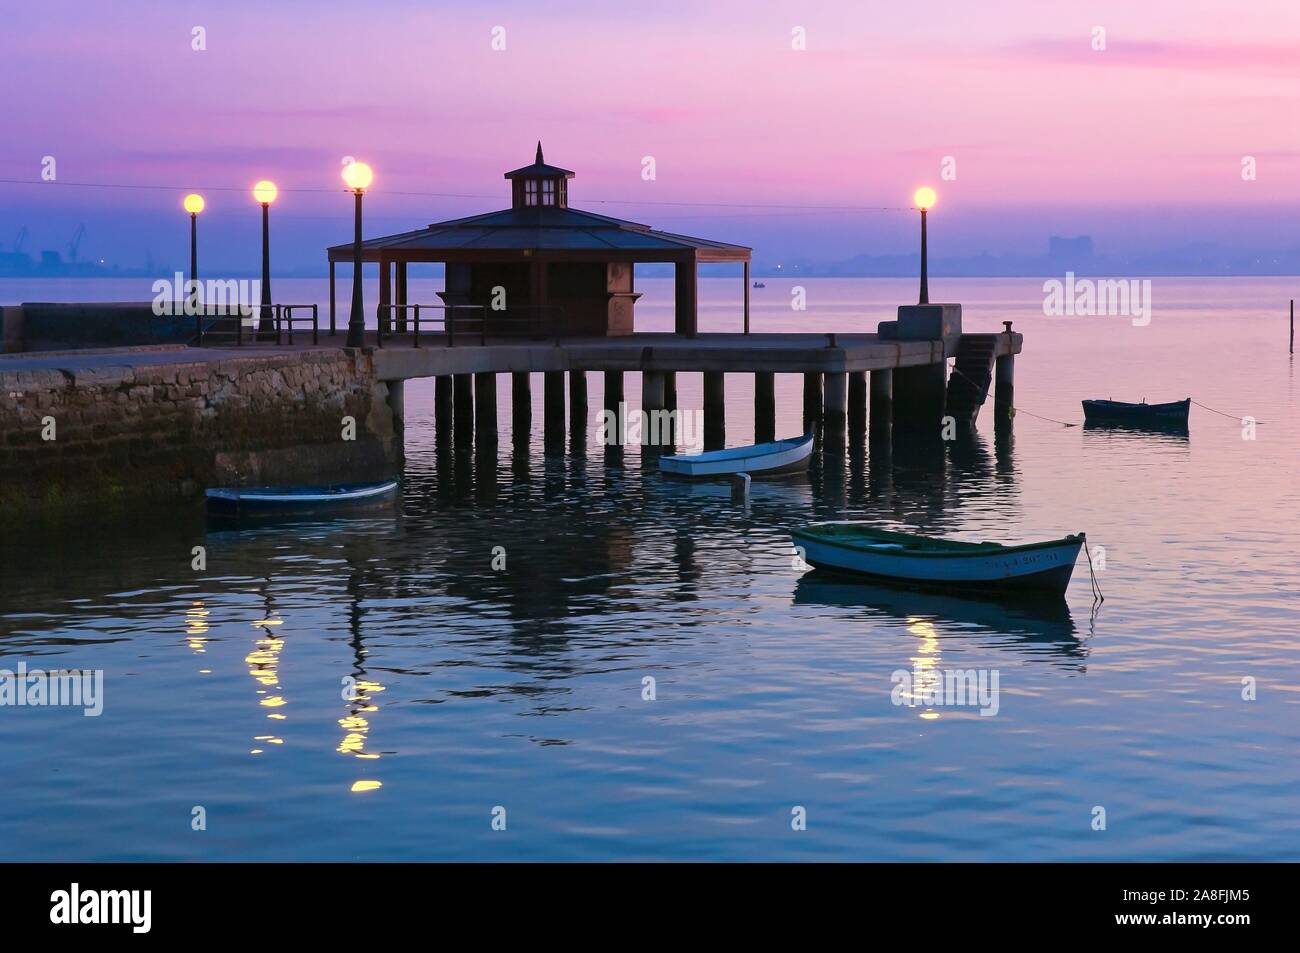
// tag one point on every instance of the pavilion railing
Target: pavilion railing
(285, 318)
(535, 321)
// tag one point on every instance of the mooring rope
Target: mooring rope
(1013, 409)
(1096, 586)
(1237, 417)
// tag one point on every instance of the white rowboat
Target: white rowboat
(763, 459)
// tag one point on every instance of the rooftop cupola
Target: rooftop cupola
(540, 184)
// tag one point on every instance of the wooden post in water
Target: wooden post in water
(578, 409)
(653, 430)
(764, 406)
(442, 412)
(613, 390)
(553, 409)
(837, 405)
(812, 400)
(715, 411)
(1292, 347)
(857, 409)
(485, 408)
(1004, 370)
(463, 394)
(672, 431)
(882, 404)
(521, 407)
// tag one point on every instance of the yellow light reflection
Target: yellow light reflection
(366, 786)
(925, 664)
(196, 627)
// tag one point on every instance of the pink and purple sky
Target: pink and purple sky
(1140, 145)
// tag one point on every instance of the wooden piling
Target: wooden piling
(463, 394)
(764, 406)
(521, 406)
(812, 400)
(857, 410)
(715, 411)
(553, 408)
(836, 406)
(652, 403)
(1292, 345)
(613, 390)
(1004, 370)
(578, 410)
(442, 409)
(485, 408)
(882, 404)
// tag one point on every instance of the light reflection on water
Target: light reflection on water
(397, 688)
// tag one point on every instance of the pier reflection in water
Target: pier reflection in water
(487, 642)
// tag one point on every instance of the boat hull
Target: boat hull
(1114, 411)
(1040, 567)
(760, 460)
(263, 499)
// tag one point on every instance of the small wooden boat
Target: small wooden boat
(862, 549)
(763, 459)
(266, 498)
(1117, 411)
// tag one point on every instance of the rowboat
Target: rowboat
(863, 550)
(266, 498)
(1117, 411)
(762, 459)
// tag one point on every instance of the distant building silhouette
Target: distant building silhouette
(1069, 252)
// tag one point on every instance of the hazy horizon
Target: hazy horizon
(1140, 145)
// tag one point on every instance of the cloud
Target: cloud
(1161, 54)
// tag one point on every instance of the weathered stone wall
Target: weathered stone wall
(165, 429)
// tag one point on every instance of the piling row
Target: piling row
(836, 403)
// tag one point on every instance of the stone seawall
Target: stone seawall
(86, 427)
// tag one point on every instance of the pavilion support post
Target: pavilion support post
(746, 297)
(553, 409)
(857, 402)
(385, 295)
(1004, 370)
(401, 297)
(670, 405)
(882, 404)
(764, 407)
(333, 303)
(837, 405)
(485, 407)
(578, 409)
(715, 410)
(463, 398)
(397, 404)
(812, 400)
(521, 407)
(654, 433)
(442, 409)
(687, 298)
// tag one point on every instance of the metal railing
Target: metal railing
(285, 320)
(453, 320)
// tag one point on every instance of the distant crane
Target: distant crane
(75, 245)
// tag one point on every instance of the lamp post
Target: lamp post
(357, 176)
(265, 193)
(194, 204)
(924, 199)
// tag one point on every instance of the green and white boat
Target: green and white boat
(864, 550)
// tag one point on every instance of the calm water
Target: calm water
(522, 688)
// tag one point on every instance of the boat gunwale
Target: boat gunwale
(959, 549)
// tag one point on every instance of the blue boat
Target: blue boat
(1173, 414)
(277, 498)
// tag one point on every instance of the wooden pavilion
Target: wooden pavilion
(543, 264)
